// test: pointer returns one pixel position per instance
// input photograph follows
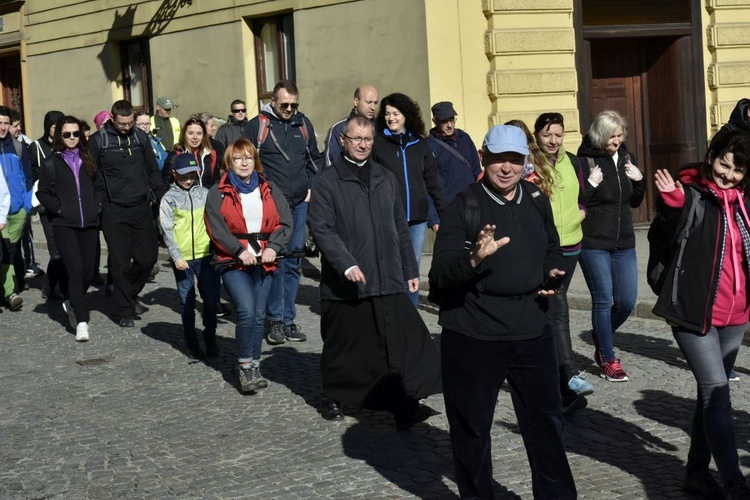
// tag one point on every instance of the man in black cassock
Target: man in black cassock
(377, 352)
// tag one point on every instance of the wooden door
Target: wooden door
(649, 81)
(10, 81)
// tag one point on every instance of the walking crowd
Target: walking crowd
(242, 203)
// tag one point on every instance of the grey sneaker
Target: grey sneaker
(247, 382)
(258, 378)
(277, 334)
(15, 302)
(71, 314)
(294, 334)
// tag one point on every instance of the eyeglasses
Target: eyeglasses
(143, 124)
(68, 135)
(287, 105)
(359, 140)
(243, 110)
(124, 125)
(240, 159)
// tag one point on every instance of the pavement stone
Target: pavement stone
(128, 415)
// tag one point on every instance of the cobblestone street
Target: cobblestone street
(128, 415)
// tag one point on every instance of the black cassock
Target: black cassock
(377, 353)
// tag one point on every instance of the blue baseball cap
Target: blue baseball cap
(185, 163)
(506, 138)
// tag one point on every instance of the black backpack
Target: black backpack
(667, 240)
(436, 294)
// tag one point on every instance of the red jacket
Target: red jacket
(234, 221)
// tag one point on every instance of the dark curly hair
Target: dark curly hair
(737, 143)
(83, 148)
(408, 107)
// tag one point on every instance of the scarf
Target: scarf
(242, 186)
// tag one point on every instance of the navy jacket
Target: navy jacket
(293, 177)
(455, 174)
(411, 160)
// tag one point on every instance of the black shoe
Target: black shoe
(52, 294)
(406, 420)
(212, 347)
(738, 490)
(222, 310)
(97, 281)
(139, 308)
(127, 322)
(277, 334)
(701, 482)
(330, 410)
(577, 403)
(292, 333)
(194, 351)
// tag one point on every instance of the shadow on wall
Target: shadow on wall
(122, 29)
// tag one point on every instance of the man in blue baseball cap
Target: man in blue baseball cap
(495, 261)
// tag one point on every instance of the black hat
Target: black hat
(443, 111)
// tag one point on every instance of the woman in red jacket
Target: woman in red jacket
(249, 222)
(707, 303)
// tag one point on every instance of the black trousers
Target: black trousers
(473, 372)
(56, 273)
(131, 241)
(77, 247)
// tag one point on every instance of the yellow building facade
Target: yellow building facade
(675, 68)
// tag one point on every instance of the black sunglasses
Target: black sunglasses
(239, 110)
(67, 135)
(287, 105)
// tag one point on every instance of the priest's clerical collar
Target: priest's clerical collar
(357, 163)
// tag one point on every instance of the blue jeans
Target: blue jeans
(249, 291)
(209, 286)
(612, 278)
(286, 280)
(417, 231)
(711, 358)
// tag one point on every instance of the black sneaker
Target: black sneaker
(277, 334)
(247, 383)
(293, 333)
(331, 410)
(52, 294)
(212, 347)
(194, 351)
(406, 420)
(738, 490)
(701, 482)
(127, 322)
(15, 302)
(577, 403)
(222, 310)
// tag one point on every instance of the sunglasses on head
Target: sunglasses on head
(68, 135)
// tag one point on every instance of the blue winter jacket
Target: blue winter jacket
(455, 173)
(14, 169)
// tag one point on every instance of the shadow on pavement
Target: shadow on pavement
(659, 349)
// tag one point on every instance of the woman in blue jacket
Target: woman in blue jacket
(400, 146)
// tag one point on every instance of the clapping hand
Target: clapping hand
(486, 244)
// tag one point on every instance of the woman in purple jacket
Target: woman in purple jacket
(66, 190)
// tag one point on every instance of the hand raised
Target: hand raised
(486, 244)
(665, 183)
(632, 171)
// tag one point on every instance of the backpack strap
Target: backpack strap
(694, 219)
(263, 123)
(49, 168)
(452, 151)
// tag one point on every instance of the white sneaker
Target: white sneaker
(71, 314)
(82, 332)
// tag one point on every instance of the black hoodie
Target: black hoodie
(737, 120)
(42, 147)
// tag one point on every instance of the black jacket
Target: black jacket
(702, 260)
(230, 131)
(354, 225)
(609, 223)
(293, 177)
(128, 168)
(63, 203)
(737, 120)
(498, 299)
(411, 160)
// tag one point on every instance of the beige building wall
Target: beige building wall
(339, 47)
(726, 57)
(458, 66)
(531, 46)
